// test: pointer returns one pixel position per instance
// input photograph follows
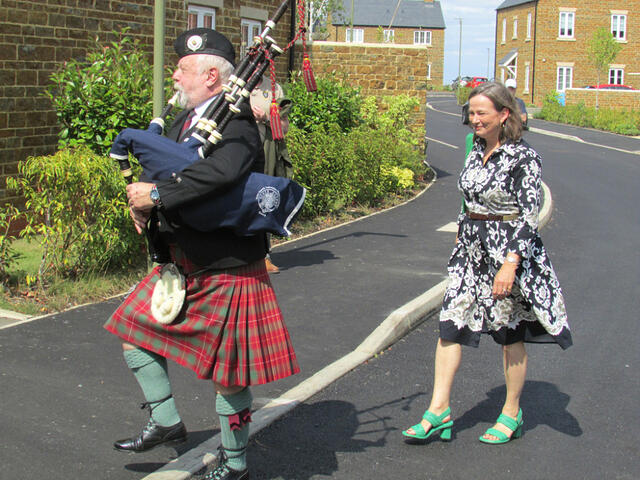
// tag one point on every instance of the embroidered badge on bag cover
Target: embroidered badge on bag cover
(268, 200)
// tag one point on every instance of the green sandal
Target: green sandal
(437, 424)
(515, 425)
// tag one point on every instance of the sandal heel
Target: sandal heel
(445, 435)
(518, 433)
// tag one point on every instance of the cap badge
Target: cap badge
(194, 43)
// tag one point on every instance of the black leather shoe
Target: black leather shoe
(222, 470)
(225, 473)
(153, 435)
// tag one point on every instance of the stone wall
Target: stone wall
(37, 36)
(615, 99)
(380, 69)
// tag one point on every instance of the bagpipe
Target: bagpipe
(258, 203)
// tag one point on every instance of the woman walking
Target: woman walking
(501, 281)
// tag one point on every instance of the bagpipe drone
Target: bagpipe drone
(259, 203)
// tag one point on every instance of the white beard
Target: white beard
(183, 99)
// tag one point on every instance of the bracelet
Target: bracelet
(512, 258)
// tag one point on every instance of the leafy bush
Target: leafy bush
(97, 98)
(8, 216)
(462, 95)
(625, 122)
(323, 162)
(76, 205)
(367, 163)
(335, 102)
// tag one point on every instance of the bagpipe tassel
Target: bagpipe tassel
(307, 75)
(276, 124)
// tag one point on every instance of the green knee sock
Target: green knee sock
(235, 441)
(150, 370)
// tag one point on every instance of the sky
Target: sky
(478, 37)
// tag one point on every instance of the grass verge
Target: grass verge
(62, 294)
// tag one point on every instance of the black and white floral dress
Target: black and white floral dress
(509, 183)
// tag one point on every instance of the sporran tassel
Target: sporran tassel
(307, 75)
(276, 124)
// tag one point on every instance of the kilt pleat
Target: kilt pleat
(231, 329)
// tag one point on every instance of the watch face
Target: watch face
(155, 196)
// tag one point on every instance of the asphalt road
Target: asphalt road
(580, 405)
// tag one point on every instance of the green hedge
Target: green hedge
(76, 206)
(625, 122)
(97, 98)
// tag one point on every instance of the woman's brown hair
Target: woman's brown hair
(502, 98)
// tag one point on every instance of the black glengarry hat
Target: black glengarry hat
(204, 40)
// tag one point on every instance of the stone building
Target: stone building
(543, 44)
(417, 23)
(37, 36)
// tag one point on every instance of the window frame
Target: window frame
(529, 24)
(565, 70)
(619, 17)
(359, 34)
(565, 25)
(515, 28)
(504, 30)
(248, 42)
(200, 12)
(422, 33)
(527, 74)
(388, 36)
(620, 72)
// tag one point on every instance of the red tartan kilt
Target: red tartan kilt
(230, 331)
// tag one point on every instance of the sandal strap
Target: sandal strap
(419, 430)
(510, 423)
(436, 420)
(497, 433)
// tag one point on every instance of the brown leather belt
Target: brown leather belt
(499, 218)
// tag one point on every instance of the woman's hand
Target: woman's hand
(503, 281)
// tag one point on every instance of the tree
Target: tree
(319, 13)
(602, 50)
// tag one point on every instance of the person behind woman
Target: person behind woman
(501, 281)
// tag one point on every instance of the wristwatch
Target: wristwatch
(155, 196)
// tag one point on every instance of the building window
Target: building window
(504, 30)
(616, 76)
(565, 75)
(422, 37)
(201, 17)
(428, 71)
(619, 27)
(249, 29)
(388, 36)
(355, 35)
(515, 28)
(527, 72)
(529, 25)
(566, 25)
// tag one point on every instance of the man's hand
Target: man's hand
(140, 204)
(259, 114)
(138, 195)
(140, 219)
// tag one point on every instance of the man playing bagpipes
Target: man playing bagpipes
(229, 328)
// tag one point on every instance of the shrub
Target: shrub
(334, 103)
(323, 162)
(97, 98)
(75, 203)
(8, 215)
(462, 95)
(625, 122)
